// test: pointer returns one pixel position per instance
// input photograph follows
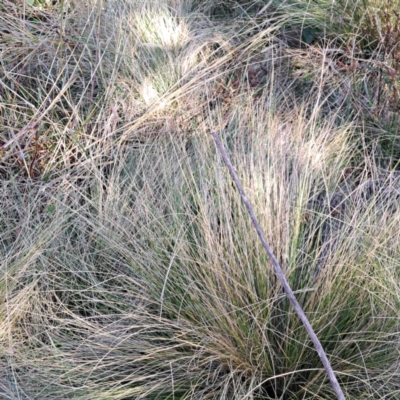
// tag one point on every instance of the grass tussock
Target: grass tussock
(129, 266)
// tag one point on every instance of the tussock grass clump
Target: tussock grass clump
(157, 286)
(129, 266)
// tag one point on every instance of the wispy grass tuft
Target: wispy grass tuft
(129, 267)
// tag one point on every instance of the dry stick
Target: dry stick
(280, 274)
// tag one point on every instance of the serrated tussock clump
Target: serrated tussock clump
(129, 265)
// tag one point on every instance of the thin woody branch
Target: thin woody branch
(280, 274)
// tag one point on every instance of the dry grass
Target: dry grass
(129, 267)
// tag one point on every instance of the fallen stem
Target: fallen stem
(280, 274)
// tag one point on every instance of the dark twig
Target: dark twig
(33, 125)
(279, 272)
